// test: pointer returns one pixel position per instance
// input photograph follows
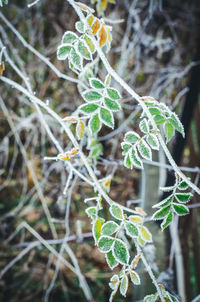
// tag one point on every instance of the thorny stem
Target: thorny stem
(118, 79)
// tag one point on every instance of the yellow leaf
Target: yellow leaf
(136, 219)
(2, 68)
(145, 234)
(90, 20)
(102, 36)
(80, 129)
(104, 4)
(95, 27)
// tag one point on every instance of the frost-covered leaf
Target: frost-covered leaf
(155, 111)
(126, 147)
(113, 94)
(167, 189)
(135, 159)
(95, 123)
(80, 27)
(69, 37)
(88, 108)
(112, 262)
(109, 228)
(153, 141)
(135, 219)
(174, 120)
(183, 185)
(159, 119)
(105, 243)
(124, 285)
(120, 251)
(150, 298)
(92, 212)
(90, 43)
(127, 161)
(112, 105)
(91, 95)
(144, 150)
(131, 137)
(107, 80)
(166, 222)
(96, 151)
(80, 128)
(131, 229)
(114, 282)
(145, 234)
(169, 131)
(165, 202)
(144, 127)
(180, 209)
(63, 51)
(135, 278)
(102, 36)
(183, 197)
(106, 117)
(75, 59)
(117, 212)
(161, 213)
(84, 50)
(97, 229)
(96, 83)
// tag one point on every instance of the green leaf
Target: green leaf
(159, 119)
(167, 189)
(127, 161)
(174, 120)
(106, 117)
(169, 131)
(112, 105)
(88, 108)
(155, 111)
(183, 197)
(135, 278)
(117, 212)
(160, 214)
(180, 209)
(96, 83)
(131, 229)
(131, 137)
(166, 222)
(134, 158)
(75, 59)
(90, 43)
(112, 262)
(183, 185)
(114, 282)
(113, 94)
(97, 229)
(95, 123)
(165, 202)
(126, 147)
(84, 50)
(96, 151)
(153, 141)
(145, 234)
(69, 37)
(144, 150)
(92, 212)
(105, 243)
(109, 228)
(80, 27)
(91, 95)
(124, 285)
(63, 51)
(120, 251)
(144, 127)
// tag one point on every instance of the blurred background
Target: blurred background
(156, 50)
